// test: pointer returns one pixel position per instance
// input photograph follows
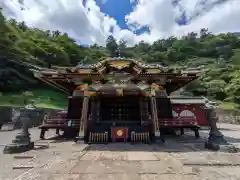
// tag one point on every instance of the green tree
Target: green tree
(111, 45)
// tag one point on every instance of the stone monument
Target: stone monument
(22, 141)
(216, 139)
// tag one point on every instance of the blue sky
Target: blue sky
(118, 9)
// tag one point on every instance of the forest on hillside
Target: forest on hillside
(217, 55)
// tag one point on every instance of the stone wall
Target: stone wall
(12, 115)
(5, 114)
(228, 116)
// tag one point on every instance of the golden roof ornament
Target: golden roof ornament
(155, 86)
(119, 91)
(119, 64)
(82, 87)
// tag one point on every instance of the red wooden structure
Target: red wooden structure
(186, 108)
(123, 95)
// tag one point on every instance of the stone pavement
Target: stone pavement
(231, 133)
(6, 137)
(180, 158)
(8, 161)
(65, 161)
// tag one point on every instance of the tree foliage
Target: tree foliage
(219, 55)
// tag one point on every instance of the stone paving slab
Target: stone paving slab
(143, 156)
(124, 176)
(208, 158)
(7, 162)
(58, 163)
(178, 159)
(93, 155)
(108, 155)
(119, 176)
(168, 177)
(91, 164)
(219, 173)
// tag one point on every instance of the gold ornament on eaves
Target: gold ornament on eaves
(119, 91)
(119, 64)
(92, 93)
(82, 87)
(153, 71)
(154, 86)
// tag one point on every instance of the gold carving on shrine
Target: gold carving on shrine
(137, 69)
(155, 86)
(119, 64)
(84, 71)
(119, 91)
(101, 69)
(153, 71)
(160, 87)
(120, 133)
(92, 93)
(82, 87)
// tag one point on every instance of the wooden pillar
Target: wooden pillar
(154, 113)
(144, 110)
(141, 109)
(98, 113)
(93, 112)
(83, 124)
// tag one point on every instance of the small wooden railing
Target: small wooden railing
(60, 122)
(178, 122)
(140, 137)
(95, 137)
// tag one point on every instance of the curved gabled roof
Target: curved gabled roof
(137, 62)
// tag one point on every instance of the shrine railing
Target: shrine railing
(178, 122)
(60, 122)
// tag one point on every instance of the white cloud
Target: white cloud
(90, 25)
(87, 24)
(160, 16)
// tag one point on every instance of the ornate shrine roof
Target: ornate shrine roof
(122, 59)
(117, 71)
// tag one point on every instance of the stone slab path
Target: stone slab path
(182, 158)
(69, 161)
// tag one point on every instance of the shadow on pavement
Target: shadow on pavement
(227, 138)
(228, 129)
(60, 139)
(184, 143)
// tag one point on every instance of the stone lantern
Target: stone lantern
(22, 141)
(216, 139)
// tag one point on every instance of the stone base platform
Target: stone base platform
(18, 148)
(230, 148)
